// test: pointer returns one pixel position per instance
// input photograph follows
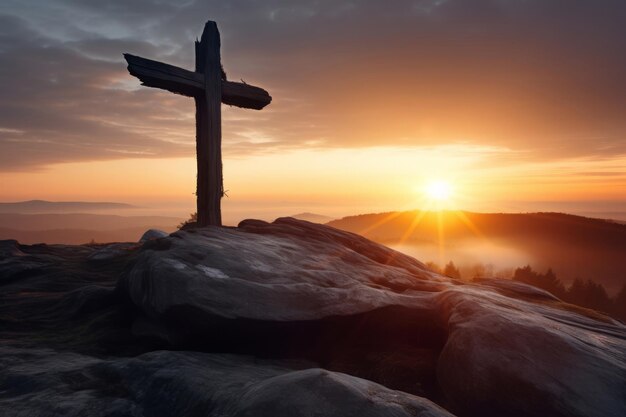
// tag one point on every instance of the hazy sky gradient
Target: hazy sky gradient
(513, 100)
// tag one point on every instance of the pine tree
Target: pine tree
(452, 271)
(553, 284)
(619, 304)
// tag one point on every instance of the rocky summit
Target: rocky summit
(288, 319)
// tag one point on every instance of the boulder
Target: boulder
(288, 318)
(152, 234)
(43, 383)
(505, 348)
(289, 274)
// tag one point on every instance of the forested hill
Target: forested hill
(573, 246)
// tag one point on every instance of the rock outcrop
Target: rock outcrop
(164, 383)
(289, 318)
(152, 234)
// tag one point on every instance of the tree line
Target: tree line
(585, 293)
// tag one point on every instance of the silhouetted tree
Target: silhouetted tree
(576, 292)
(479, 271)
(585, 293)
(589, 294)
(547, 281)
(526, 275)
(452, 271)
(553, 284)
(598, 298)
(619, 304)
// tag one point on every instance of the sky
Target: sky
(519, 105)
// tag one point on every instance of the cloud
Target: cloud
(542, 77)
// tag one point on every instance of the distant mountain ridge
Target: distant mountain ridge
(43, 206)
(313, 217)
(74, 236)
(71, 228)
(90, 221)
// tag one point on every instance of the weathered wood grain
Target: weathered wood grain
(244, 95)
(210, 184)
(167, 77)
(202, 144)
(191, 84)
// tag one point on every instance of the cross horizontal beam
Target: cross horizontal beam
(191, 84)
(167, 77)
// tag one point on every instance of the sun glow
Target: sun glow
(438, 190)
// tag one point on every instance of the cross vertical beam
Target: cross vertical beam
(209, 88)
(210, 186)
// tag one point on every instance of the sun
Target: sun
(438, 190)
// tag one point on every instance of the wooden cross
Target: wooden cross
(209, 88)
